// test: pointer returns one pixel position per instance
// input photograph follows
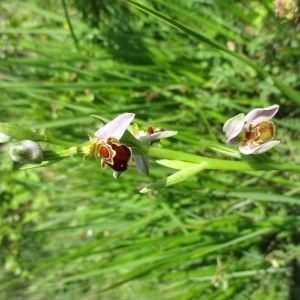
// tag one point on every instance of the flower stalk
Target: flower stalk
(221, 164)
(117, 144)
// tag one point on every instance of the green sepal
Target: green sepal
(131, 141)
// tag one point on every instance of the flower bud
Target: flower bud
(28, 152)
(4, 138)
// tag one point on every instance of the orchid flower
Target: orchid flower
(106, 146)
(254, 132)
(150, 136)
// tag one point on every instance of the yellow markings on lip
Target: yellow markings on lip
(113, 154)
(259, 134)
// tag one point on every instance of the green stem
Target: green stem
(54, 141)
(221, 164)
(70, 24)
(20, 133)
(290, 92)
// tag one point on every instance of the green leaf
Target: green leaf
(175, 178)
(228, 151)
(41, 165)
(20, 133)
(265, 197)
(174, 164)
(289, 92)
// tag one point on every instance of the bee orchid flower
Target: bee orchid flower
(254, 132)
(105, 144)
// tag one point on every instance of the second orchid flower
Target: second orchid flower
(254, 132)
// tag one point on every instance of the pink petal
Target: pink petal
(115, 128)
(259, 149)
(259, 115)
(233, 127)
(141, 164)
(158, 135)
(116, 174)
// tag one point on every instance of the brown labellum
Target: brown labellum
(115, 155)
(260, 134)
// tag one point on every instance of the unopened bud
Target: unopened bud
(28, 152)
(4, 138)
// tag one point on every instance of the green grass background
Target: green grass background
(71, 231)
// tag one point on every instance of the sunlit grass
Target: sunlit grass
(71, 230)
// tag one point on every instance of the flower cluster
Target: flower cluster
(253, 132)
(118, 147)
(105, 144)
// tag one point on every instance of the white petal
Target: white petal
(233, 127)
(115, 128)
(259, 115)
(259, 149)
(158, 135)
(116, 174)
(142, 164)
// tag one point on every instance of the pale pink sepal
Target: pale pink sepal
(141, 164)
(259, 115)
(245, 149)
(158, 135)
(115, 128)
(116, 174)
(233, 127)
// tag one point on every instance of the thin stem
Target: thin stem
(70, 24)
(221, 164)
(290, 92)
(54, 141)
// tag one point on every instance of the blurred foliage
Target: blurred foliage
(69, 233)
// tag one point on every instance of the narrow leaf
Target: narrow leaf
(175, 178)
(289, 92)
(20, 133)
